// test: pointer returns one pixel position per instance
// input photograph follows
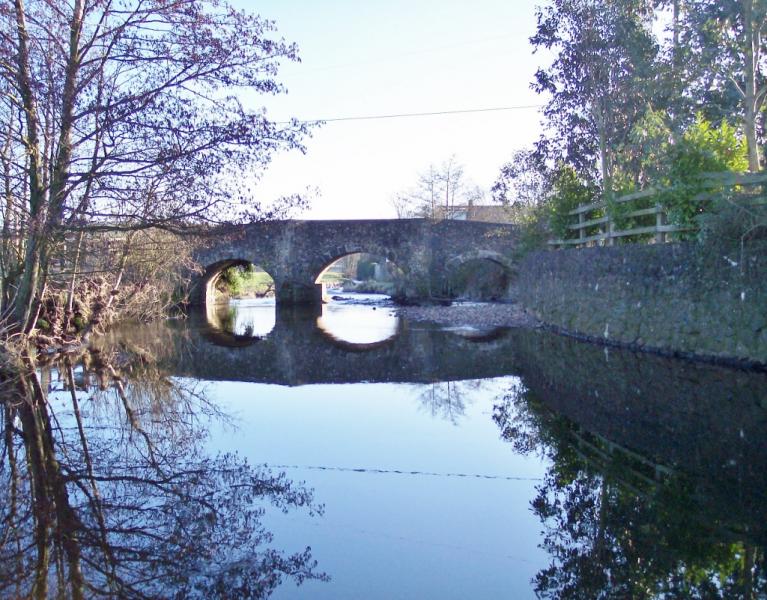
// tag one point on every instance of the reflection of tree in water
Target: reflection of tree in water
(228, 324)
(115, 496)
(617, 526)
(448, 399)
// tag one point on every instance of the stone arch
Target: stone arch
(296, 252)
(327, 258)
(454, 263)
(490, 255)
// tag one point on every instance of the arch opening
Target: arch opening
(240, 299)
(357, 287)
(361, 277)
(479, 279)
(238, 280)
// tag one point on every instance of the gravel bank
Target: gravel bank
(481, 316)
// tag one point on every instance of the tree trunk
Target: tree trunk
(604, 155)
(29, 283)
(64, 157)
(45, 209)
(750, 124)
(30, 277)
(676, 54)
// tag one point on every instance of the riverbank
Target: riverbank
(479, 315)
(490, 315)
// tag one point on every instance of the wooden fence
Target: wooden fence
(596, 215)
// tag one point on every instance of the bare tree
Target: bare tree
(125, 114)
(438, 192)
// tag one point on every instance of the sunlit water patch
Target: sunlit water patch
(358, 323)
(248, 318)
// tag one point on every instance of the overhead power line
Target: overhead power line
(421, 114)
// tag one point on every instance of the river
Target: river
(240, 452)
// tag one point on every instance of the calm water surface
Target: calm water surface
(414, 462)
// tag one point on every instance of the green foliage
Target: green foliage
(568, 192)
(366, 270)
(619, 211)
(702, 149)
(622, 101)
(709, 148)
(230, 281)
(677, 165)
(646, 155)
(598, 80)
(735, 218)
(244, 280)
(79, 322)
(534, 232)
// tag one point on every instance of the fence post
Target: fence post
(581, 230)
(610, 230)
(660, 221)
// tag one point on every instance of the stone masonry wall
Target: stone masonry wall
(294, 253)
(677, 298)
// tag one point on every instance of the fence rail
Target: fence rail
(659, 231)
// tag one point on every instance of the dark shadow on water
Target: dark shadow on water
(658, 479)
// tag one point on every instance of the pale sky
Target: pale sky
(388, 57)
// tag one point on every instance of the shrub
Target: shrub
(568, 192)
(702, 149)
(366, 270)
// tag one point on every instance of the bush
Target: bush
(702, 149)
(624, 184)
(534, 232)
(568, 192)
(231, 281)
(734, 219)
(243, 281)
(366, 270)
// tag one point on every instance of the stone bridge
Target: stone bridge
(296, 253)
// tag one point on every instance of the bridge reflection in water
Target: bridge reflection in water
(664, 462)
(309, 345)
(703, 416)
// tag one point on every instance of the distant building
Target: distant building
(487, 213)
